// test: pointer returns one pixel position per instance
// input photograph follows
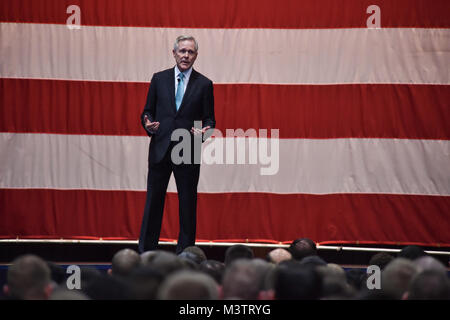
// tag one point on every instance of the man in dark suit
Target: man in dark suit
(177, 98)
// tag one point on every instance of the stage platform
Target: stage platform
(103, 251)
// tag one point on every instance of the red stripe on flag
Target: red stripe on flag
(333, 218)
(231, 13)
(299, 111)
(71, 107)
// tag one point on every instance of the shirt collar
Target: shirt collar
(186, 73)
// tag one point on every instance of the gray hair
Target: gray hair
(183, 38)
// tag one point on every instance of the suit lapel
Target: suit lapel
(171, 88)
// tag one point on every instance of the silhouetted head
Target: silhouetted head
(302, 247)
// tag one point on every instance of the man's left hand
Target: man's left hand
(197, 131)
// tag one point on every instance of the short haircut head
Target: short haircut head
(184, 38)
(297, 283)
(313, 261)
(430, 285)
(125, 261)
(197, 253)
(28, 277)
(411, 252)
(381, 259)
(238, 251)
(397, 276)
(144, 282)
(302, 247)
(356, 277)
(167, 262)
(188, 285)
(332, 270)
(148, 256)
(214, 268)
(105, 287)
(429, 263)
(242, 280)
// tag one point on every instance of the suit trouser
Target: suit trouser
(186, 179)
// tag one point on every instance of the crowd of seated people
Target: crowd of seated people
(297, 272)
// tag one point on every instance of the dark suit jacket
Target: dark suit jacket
(197, 105)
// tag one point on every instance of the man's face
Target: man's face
(185, 55)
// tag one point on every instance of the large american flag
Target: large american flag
(363, 117)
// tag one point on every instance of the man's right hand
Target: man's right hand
(151, 126)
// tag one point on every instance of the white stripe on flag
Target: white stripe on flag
(311, 166)
(274, 56)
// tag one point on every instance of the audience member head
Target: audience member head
(167, 262)
(62, 293)
(214, 268)
(411, 252)
(429, 285)
(313, 261)
(124, 261)
(108, 288)
(356, 278)
(28, 278)
(189, 260)
(57, 273)
(263, 270)
(147, 256)
(336, 289)
(88, 275)
(277, 255)
(197, 253)
(297, 284)
(397, 276)
(302, 247)
(243, 279)
(290, 264)
(238, 251)
(373, 294)
(334, 282)
(188, 285)
(144, 282)
(332, 270)
(426, 263)
(381, 259)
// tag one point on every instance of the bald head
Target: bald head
(278, 255)
(125, 261)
